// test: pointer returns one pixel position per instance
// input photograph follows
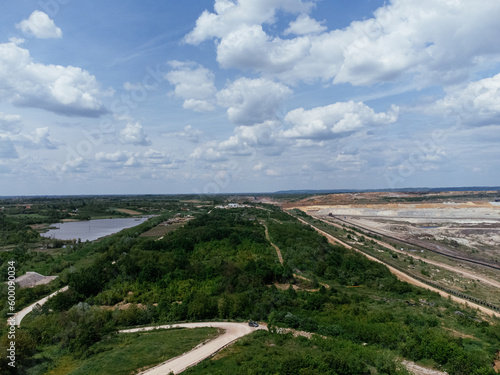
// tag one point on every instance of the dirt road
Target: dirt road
(404, 277)
(468, 274)
(21, 314)
(233, 331)
(273, 245)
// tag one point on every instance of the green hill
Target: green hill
(221, 266)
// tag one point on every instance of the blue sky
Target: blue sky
(247, 95)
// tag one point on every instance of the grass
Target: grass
(129, 352)
(127, 211)
(161, 230)
(266, 353)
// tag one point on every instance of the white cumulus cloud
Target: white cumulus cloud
(249, 47)
(39, 25)
(477, 104)
(427, 41)
(335, 120)
(305, 25)
(230, 15)
(69, 91)
(134, 134)
(251, 101)
(194, 84)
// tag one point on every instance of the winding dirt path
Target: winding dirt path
(272, 244)
(233, 331)
(278, 251)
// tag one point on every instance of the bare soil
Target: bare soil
(420, 370)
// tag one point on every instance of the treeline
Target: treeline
(304, 250)
(16, 232)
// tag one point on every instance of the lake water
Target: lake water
(92, 229)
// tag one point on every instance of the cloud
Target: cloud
(230, 15)
(74, 165)
(68, 91)
(249, 47)
(247, 140)
(425, 41)
(207, 152)
(12, 134)
(194, 84)
(340, 163)
(10, 123)
(118, 156)
(40, 139)
(272, 172)
(305, 25)
(133, 134)
(39, 25)
(258, 166)
(191, 134)
(335, 120)
(251, 101)
(151, 159)
(476, 104)
(152, 156)
(313, 129)
(7, 149)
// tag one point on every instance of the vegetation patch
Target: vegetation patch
(127, 352)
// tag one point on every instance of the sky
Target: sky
(236, 96)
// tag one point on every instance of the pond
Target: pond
(91, 229)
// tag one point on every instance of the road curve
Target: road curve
(21, 314)
(233, 331)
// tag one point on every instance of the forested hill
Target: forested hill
(221, 266)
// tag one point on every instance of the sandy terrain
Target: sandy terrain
(233, 331)
(396, 197)
(452, 225)
(447, 210)
(420, 370)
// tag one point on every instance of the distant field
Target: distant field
(161, 230)
(127, 211)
